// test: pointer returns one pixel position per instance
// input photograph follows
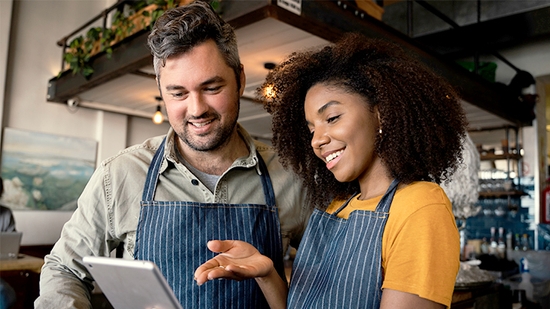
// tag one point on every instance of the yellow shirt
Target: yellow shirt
(420, 243)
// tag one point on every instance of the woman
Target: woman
(387, 131)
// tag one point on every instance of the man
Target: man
(205, 179)
(7, 223)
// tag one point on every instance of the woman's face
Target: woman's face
(343, 132)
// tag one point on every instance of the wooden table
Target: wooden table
(23, 274)
(23, 263)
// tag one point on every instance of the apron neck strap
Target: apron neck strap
(383, 205)
(153, 174)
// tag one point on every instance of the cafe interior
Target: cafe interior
(60, 82)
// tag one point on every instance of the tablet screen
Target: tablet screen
(131, 283)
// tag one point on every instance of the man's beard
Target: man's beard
(217, 138)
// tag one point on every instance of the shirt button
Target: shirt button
(195, 182)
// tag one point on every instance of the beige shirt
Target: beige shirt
(109, 207)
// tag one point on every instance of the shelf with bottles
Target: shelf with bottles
(504, 153)
(503, 240)
(500, 187)
(499, 238)
(501, 194)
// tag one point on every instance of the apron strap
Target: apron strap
(385, 202)
(266, 182)
(153, 174)
(383, 205)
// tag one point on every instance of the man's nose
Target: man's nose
(197, 105)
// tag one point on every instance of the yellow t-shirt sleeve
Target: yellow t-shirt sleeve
(422, 255)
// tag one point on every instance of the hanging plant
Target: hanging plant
(139, 15)
(81, 49)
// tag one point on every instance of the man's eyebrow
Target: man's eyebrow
(174, 87)
(215, 79)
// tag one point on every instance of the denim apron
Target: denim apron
(339, 263)
(173, 234)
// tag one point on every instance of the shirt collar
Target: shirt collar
(251, 160)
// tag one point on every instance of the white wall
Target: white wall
(33, 59)
(140, 127)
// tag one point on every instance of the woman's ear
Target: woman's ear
(377, 113)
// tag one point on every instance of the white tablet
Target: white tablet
(131, 283)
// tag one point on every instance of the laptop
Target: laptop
(9, 245)
(132, 284)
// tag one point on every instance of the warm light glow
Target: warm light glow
(269, 92)
(158, 117)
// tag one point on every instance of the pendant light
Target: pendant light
(269, 90)
(158, 117)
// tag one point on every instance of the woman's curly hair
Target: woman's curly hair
(421, 117)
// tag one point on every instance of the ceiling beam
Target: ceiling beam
(326, 19)
(494, 34)
(473, 88)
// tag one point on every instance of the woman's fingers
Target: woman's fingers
(236, 260)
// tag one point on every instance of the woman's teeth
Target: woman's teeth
(333, 156)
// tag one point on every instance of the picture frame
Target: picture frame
(44, 171)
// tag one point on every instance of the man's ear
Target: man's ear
(158, 85)
(243, 81)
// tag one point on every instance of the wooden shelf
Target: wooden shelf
(499, 194)
(504, 156)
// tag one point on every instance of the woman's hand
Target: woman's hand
(237, 260)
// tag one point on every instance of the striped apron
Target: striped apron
(339, 262)
(173, 234)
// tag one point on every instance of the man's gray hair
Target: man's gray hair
(180, 29)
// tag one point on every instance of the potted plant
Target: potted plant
(137, 15)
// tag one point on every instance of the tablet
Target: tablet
(131, 283)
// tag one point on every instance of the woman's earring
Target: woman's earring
(380, 131)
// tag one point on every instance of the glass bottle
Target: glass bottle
(525, 242)
(501, 245)
(493, 242)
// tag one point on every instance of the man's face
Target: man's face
(201, 96)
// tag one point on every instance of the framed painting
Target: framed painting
(43, 171)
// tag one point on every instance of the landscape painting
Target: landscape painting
(43, 171)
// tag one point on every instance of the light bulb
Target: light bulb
(269, 92)
(158, 117)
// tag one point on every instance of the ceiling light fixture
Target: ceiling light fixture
(269, 90)
(269, 66)
(158, 117)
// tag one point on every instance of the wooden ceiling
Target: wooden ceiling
(124, 83)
